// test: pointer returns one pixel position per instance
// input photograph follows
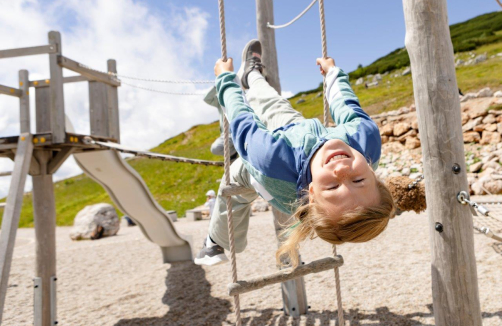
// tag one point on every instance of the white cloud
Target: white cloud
(145, 43)
(287, 94)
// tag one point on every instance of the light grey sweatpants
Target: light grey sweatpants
(274, 111)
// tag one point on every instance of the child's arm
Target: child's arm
(346, 111)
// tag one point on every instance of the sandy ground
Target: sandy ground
(122, 281)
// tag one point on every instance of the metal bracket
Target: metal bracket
(53, 301)
(37, 301)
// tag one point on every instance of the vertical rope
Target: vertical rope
(341, 320)
(226, 149)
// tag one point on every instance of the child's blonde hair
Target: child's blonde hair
(359, 225)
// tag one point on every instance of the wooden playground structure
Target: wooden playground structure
(453, 266)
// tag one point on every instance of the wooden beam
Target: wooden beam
(21, 52)
(454, 276)
(91, 74)
(66, 80)
(12, 212)
(264, 15)
(113, 105)
(11, 91)
(42, 109)
(59, 159)
(5, 174)
(24, 101)
(98, 109)
(56, 102)
(284, 275)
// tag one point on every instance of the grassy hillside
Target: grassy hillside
(465, 36)
(178, 186)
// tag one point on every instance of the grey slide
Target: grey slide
(131, 195)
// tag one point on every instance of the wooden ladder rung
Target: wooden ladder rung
(235, 189)
(4, 174)
(284, 275)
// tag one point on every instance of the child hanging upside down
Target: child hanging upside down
(323, 176)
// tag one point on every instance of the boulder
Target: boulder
(406, 172)
(499, 128)
(300, 101)
(471, 124)
(401, 128)
(360, 81)
(318, 95)
(493, 165)
(387, 130)
(497, 94)
(94, 222)
(260, 206)
(471, 137)
(491, 127)
(467, 97)
(403, 110)
(412, 143)
(459, 62)
(406, 71)
(493, 186)
(480, 58)
(373, 84)
(385, 139)
(411, 133)
(489, 137)
(414, 123)
(485, 92)
(377, 77)
(476, 167)
(465, 117)
(413, 107)
(479, 128)
(490, 118)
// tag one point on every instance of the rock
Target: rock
(465, 117)
(413, 107)
(414, 123)
(471, 137)
(406, 172)
(493, 186)
(415, 175)
(260, 206)
(475, 167)
(377, 77)
(412, 143)
(385, 139)
(489, 137)
(401, 128)
(493, 165)
(411, 133)
(318, 95)
(497, 94)
(479, 128)
(360, 81)
(491, 127)
(480, 58)
(373, 84)
(387, 130)
(300, 101)
(403, 110)
(490, 118)
(499, 54)
(485, 92)
(406, 71)
(471, 124)
(467, 97)
(459, 62)
(370, 76)
(499, 128)
(96, 221)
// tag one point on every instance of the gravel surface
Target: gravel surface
(121, 280)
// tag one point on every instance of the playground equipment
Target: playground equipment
(454, 277)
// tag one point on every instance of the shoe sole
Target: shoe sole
(211, 261)
(240, 73)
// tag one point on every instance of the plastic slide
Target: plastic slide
(131, 195)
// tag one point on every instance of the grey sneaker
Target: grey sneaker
(251, 59)
(210, 256)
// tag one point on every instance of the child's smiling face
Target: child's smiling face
(341, 179)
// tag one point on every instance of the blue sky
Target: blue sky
(358, 31)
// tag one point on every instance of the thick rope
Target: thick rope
(294, 19)
(499, 2)
(226, 148)
(341, 320)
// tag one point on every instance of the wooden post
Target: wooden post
(44, 209)
(57, 115)
(12, 212)
(24, 101)
(43, 109)
(98, 109)
(264, 15)
(113, 105)
(454, 275)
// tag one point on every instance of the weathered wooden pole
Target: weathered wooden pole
(293, 292)
(57, 122)
(24, 101)
(113, 104)
(454, 275)
(266, 35)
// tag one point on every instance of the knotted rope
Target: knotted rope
(226, 130)
(341, 321)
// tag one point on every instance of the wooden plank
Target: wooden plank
(454, 276)
(12, 212)
(91, 74)
(98, 109)
(45, 233)
(59, 159)
(113, 105)
(66, 80)
(22, 52)
(56, 102)
(11, 91)
(4, 174)
(43, 109)
(264, 15)
(284, 275)
(24, 102)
